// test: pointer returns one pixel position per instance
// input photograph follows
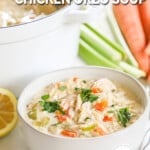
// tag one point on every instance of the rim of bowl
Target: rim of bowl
(86, 138)
(40, 19)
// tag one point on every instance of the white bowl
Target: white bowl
(131, 135)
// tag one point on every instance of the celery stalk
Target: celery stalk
(132, 70)
(88, 128)
(99, 44)
(116, 46)
(92, 57)
(119, 37)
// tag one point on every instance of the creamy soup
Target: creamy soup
(13, 14)
(83, 108)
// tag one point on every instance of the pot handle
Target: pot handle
(82, 13)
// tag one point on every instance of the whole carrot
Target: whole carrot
(147, 49)
(144, 9)
(143, 60)
(149, 78)
(128, 18)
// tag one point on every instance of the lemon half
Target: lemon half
(8, 112)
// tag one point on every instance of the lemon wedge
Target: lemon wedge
(8, 112)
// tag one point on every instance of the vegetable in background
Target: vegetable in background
(128, 18)
(144, 9)
(88, 52)
(147, 49)
(99, 44)
(131, 70)
(119, 37)
(144, 61)
(92, 57)
(149, 77)
(112, 44)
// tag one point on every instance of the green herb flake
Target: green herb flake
(124, 116)
(62, 88)
(84, 81)
(42, 103)
(110, 111)
(50, 106)
(87, 118)
(45, 97)
(77, 89)
(86, 96)
(113, 90)
(56, 124)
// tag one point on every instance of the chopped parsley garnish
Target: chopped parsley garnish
(124, 116)
(113, 90)
(51, 106)
(87, 118)
(110, 111)
(56, 124)
(87, 96)
(62, 88)
(45, 97)
(84, 81)
(77, 89)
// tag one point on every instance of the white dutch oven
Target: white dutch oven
(30, 49)
(131, 136)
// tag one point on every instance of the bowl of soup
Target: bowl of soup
(87, 107)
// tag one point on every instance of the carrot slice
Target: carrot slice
(107, 118)
(100, 131)
(61, 118)
(100, 106)
(69, 133)
(128, 18)
(75, 79)
(147, 49)
(144, 9)
(96, 90)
